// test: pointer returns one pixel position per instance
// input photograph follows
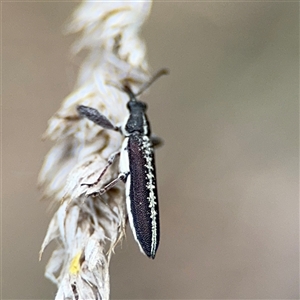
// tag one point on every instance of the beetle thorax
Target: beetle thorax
(137, 121)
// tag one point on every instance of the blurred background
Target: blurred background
(229, 169)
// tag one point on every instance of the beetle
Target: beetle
(136, 167)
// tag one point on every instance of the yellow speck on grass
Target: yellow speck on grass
(75, 264)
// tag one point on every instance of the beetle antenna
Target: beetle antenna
(158, 74)
(127, 89)
(130, 93)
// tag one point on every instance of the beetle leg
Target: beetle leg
(122, 176)
(109, 163)
(156, 141)
(95, 116)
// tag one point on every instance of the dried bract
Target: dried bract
(88, 227)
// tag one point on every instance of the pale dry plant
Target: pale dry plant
(86, 227)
